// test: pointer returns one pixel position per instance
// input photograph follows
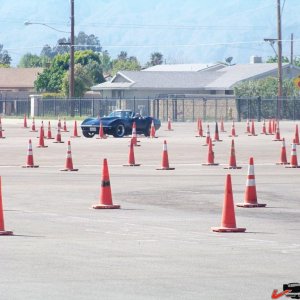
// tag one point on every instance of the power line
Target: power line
(170, 26)
(164, 46)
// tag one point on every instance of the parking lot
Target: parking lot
(159, 245)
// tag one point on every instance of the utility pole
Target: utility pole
(71, 83)
(279, 44)
(292, 49)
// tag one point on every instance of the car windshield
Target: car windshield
(121, 114)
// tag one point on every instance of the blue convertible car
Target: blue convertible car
(119, 123)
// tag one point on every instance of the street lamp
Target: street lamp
(44, 24)
(279, 71)
(272, 42)
(72, 41)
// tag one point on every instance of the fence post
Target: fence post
(238, 105)
(54, 104)
(167, 109)
(259, 109)
(226, 110)
(216, 110)
(294, 108)
(134, 104)
(277, 108)
(193, 103)
(248, 109)
(174, 109)
(28, 106)
(183, 118)
(204, 109)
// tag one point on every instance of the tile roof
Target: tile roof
(179, 67)
(14, 78)
(215, 78)
(231, 75)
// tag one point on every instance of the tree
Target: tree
(274, 59)
(82, 42)
(88, 42)
(265, 88)
(52, 79)
(94, 69)
(123, 62)
(156, 58)
(5, 58)
(29, 60)
(122, 55)
(83, 81)
(47, 51)
(106, 62)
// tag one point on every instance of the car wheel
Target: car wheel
(147, 130)
(88, 134)
(119, 130)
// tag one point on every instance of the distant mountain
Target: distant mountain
(198, 31)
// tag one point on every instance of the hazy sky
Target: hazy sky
(183, 31)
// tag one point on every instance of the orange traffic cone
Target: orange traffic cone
(296, 139)
(264, 131)
(207, 139)
(152, 131)
(2, 227)
(222, 125)
(65, 126)
(210, 156)
(30, 162)
(1, 132)
(101, 132)
(134, 135)
(274, 126)
(252, 132)
(216, 138)
(42, 127)
(248, 127)
(283, 159)
(49, 133)
(25, 122)
(232, 160)
(233, 134)
(58, 136)
(165, 159)
(41, 139)
(1, 124)
(105, 193)
(277, 136)
(169, 125)
(270, 127)
(59, 124)
(228, 223)
(250, 199)
(131, 159)
(69, 161)
(75, 134)
(33, 129)
(200, 129)
(294, 160)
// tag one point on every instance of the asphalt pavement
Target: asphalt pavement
(159, 245)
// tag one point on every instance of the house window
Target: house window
(229, 92)
(117, 94)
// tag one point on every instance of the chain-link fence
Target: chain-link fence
(177, 108)
(260, 108)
